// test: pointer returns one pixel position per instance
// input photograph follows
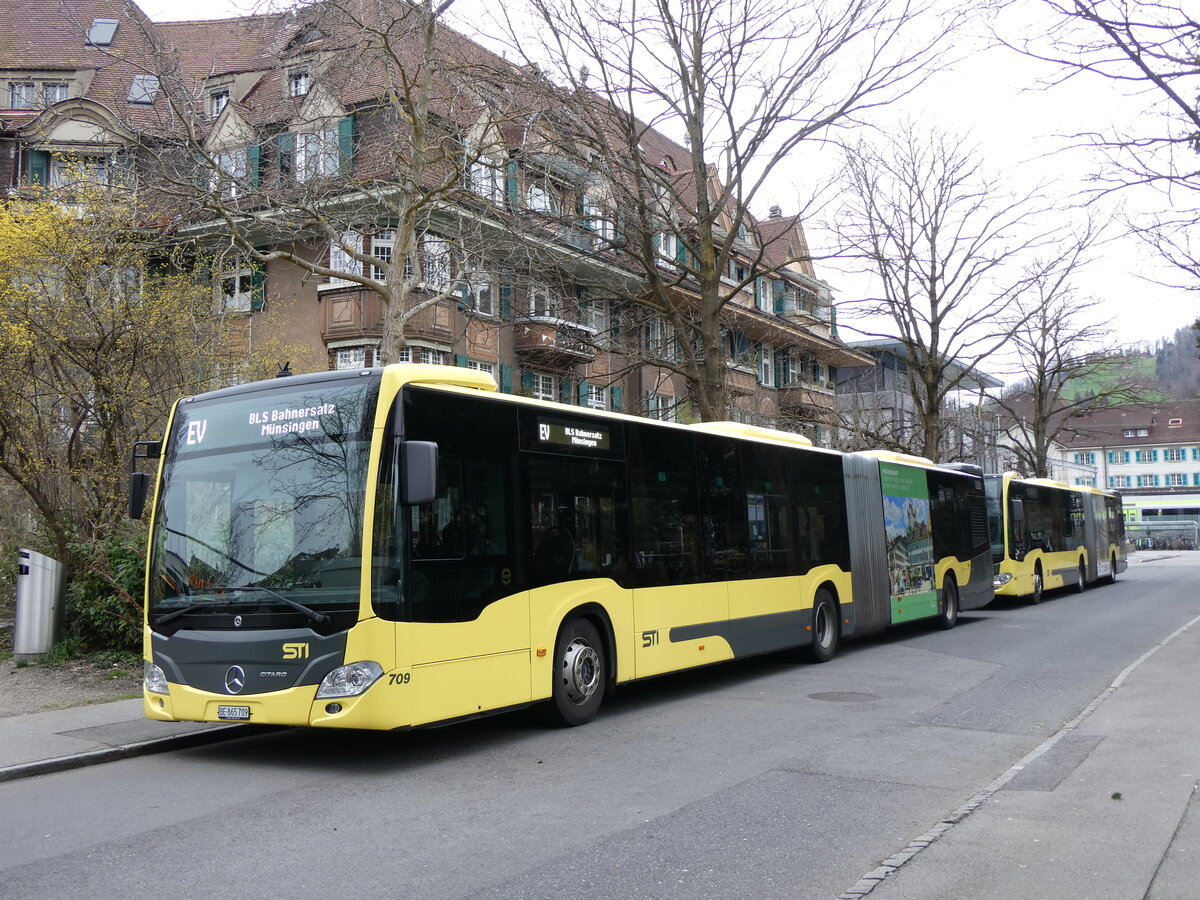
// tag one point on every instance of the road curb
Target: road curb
(125, 751)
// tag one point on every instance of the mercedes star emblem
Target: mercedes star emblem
(235, 679)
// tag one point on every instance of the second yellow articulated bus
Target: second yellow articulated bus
(1046, 534)
(398, 547)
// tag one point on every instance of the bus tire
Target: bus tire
(1039, 585)
(825, 628)
(1112, 573)
(580, 674)
(1079, 588)
(948, 617)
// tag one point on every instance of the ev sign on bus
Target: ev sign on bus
(268, 417)
(594, 437)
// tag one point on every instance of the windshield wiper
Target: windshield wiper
(192, 607)
(314, 616)
(318, 617)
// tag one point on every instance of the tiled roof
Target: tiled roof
(1106, 427)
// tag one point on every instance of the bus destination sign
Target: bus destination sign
(593, 437)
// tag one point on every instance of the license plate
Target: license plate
(236, 713)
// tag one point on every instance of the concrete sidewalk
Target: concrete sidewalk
(1106, 807)
(38, 743)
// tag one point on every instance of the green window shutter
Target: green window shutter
(778, 367)
(779, 285)
(831, 372)
(583, 392)
(39, 167)
(460, 360)
(527, 380)
(254, 164)
(566, 391)
(287, 153)
(512, 185)
(506, 300)
(258, 285)
(616, 399)
(346, 145)
(1196, 453)
(506, 379)
(1154, 456)
(760, 292)
(681, 252)
(833, 321)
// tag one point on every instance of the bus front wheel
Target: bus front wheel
(579, 674)
(1039, 585)
(1112, 573)
(1079, 588)
(948, 617)
(824, 627)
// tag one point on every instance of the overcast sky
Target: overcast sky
(992, 96)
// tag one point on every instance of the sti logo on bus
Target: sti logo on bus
(295, 651)
(195, 431)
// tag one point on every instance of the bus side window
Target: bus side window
(663, 507)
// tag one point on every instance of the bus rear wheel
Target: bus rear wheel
(1112, 573)
(580, 674)
(1079, 588)
(1039, 586)
(824, 627)
(948, 617)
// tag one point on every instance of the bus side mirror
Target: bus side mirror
(1018, 511)
(139, 489)
(418, 472)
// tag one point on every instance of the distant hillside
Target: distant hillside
(1177, 366)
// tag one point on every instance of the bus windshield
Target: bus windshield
(261, 503)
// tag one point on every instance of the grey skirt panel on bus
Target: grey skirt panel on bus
(871, 610)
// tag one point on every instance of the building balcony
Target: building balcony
(552, 342)
(741, 380)
(798, 395)
(351, 313)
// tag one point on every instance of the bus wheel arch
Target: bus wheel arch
(948, 616)
(582, 667)
(826, 624)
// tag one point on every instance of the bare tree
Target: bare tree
(361, 151)
(740, 86)
(942, 242)
(1064, 362)
(1149, 48)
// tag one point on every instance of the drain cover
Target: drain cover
(844, 697)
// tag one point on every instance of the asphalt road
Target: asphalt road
(766, 778)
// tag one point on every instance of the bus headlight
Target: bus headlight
(1001, 579)
(350, 681)
(154, 678)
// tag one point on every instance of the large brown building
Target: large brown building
(278, 146)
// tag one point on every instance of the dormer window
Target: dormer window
(102, 32)
(309, 34)
(55, 92)
(298, 82)
(217, 101)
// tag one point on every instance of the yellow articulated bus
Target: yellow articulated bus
(1046, 534)
(403, 546)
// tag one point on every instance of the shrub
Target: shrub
(104, 597)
